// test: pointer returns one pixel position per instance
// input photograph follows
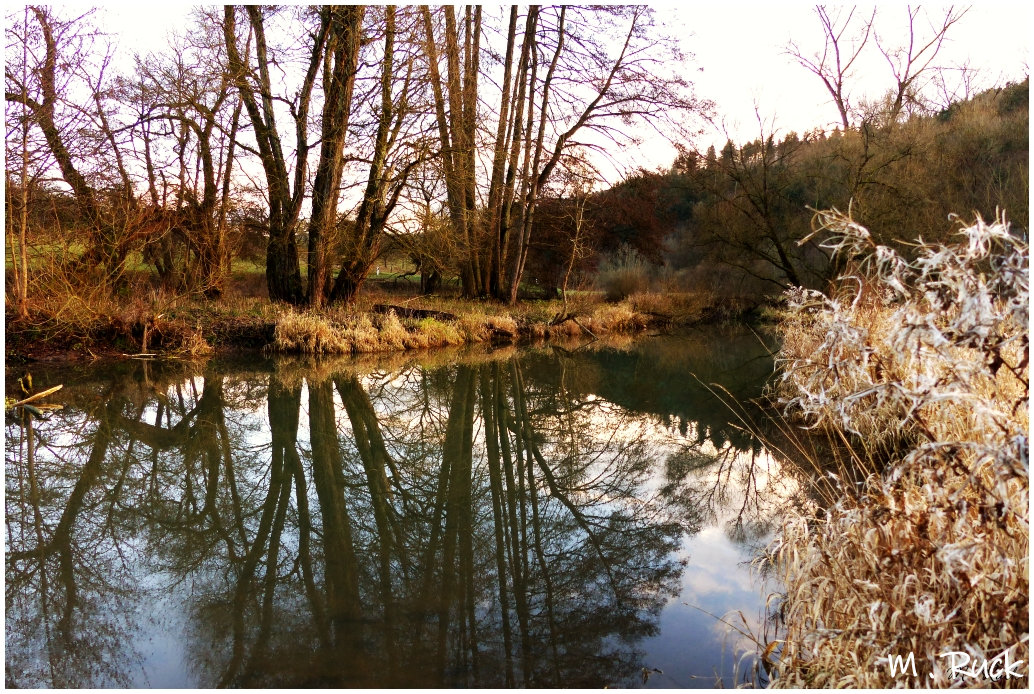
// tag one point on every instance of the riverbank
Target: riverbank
(80, 329)
(920, 371)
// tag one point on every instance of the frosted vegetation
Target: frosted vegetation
(919, 366)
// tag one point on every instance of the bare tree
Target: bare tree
(455, 98)
(40, 88)
(574, 185)
(63, 90)
(954, 84)
(844, 42)
(910, 63)
(251, 75)
(339, 48)
(189, 91)
(59, 39)
(395, 147)
(566, 80)
(342, 57)
(752, 187)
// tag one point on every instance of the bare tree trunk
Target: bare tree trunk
(535, 180)
(457, 143)
(343, 42)
(363, 242)
(283, 273)
(224, 251)
(16, 244)
(513, 143)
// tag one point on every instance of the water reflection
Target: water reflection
(505, 520)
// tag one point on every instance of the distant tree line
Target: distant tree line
(739, 221)
(735, 221)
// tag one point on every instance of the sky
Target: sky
(741, 48)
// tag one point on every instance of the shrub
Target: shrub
(930, 555)
(624, 273)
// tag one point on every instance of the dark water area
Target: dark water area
(532, 517)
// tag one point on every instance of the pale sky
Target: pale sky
(741, 48)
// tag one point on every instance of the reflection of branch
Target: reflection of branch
(579, 517)
(544, 568)
(157, 437)
(375, 458)
(283, 422)
(489, 387)
(61, 539)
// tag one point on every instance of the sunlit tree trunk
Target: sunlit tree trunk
(454, 98)
(384, 184)
(344, 38)
(283, 272)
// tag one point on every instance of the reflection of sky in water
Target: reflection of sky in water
(693, 648)
(162, 629)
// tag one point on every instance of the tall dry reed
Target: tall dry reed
(926, 359)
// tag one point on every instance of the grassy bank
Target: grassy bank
(920, 370)
(70, 321)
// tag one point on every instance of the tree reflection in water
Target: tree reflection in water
(490, 523)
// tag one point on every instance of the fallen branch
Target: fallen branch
(418, 313)
(37, 396)
(557, 320)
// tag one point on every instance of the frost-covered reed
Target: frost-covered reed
(926, 362)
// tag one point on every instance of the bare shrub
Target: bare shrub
(194, 345)
(624, 273)
(930, 555)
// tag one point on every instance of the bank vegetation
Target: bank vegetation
(919, 544)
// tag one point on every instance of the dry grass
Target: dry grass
(674, 304)
(308, 333)
(359, 333)
(436, 333)
(354, 332)
(930, 555)
(622, 317)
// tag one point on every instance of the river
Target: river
(546, 516)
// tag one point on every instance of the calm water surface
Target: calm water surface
(544, 517)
